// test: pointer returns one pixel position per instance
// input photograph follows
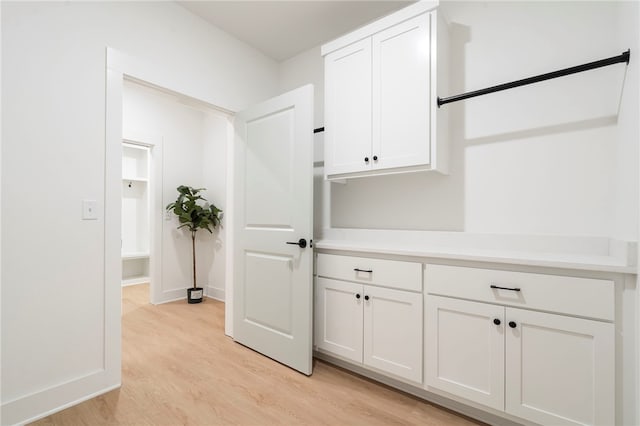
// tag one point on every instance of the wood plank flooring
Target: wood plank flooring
(178, 368)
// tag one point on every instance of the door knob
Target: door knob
(496, 321)
(512, 324)
(302, 243)
(366, 297)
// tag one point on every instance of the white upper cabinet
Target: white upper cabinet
(380, 97)
(348, 108)
(401, 93)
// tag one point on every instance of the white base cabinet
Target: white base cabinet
(533, 346)
(338, 318)
(377, 327)
(542, 367)
(393, 332)
(464, 349)
(559, 370)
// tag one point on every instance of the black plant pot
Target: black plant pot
(194, 294)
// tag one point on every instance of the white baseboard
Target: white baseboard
(215, 293)
(172, 296)
(41, 404)
(181, 294)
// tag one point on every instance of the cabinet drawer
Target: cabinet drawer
(388, 273)
(569, 295)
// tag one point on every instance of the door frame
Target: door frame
(119, 67)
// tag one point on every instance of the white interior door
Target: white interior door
(273, 206)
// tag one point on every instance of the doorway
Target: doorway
(170, 140)
(137, 187)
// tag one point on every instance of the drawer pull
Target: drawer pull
(357, 295)
(496, 321)
(512, 324)
(366, 297)
(505, 288)
(362, 270)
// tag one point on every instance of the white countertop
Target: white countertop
(582, 253)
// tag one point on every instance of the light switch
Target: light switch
(89, 209)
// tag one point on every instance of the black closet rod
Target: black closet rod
(624, 57)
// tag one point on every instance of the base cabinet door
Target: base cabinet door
(559, 370)
(546, 368)
(338, 316)
(373, 326)
(393, 332)
(464, 350)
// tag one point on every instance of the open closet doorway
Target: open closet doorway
(138, 188)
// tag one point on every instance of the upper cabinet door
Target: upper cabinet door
(348, 109)
(401, 94)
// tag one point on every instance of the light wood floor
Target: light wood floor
(178, 368)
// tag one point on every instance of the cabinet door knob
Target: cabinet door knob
(366, 297)
(375, 158)
(366, 159)
(357, 295)
(496, 321)
(512, 324)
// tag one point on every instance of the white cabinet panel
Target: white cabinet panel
(464, 350)
(393, 332)
(585, 297)
(560, 370)
(401, 94)
(339, 318)
(348, 109)
(384, 272)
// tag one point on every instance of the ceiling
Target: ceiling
(282, 29)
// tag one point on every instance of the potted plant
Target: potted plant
(194, 213)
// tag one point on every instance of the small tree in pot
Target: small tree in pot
(194, 212)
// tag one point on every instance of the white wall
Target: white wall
(214, 164)
(308, 68)
(53, 115)
(190, 136)
(558, 157)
